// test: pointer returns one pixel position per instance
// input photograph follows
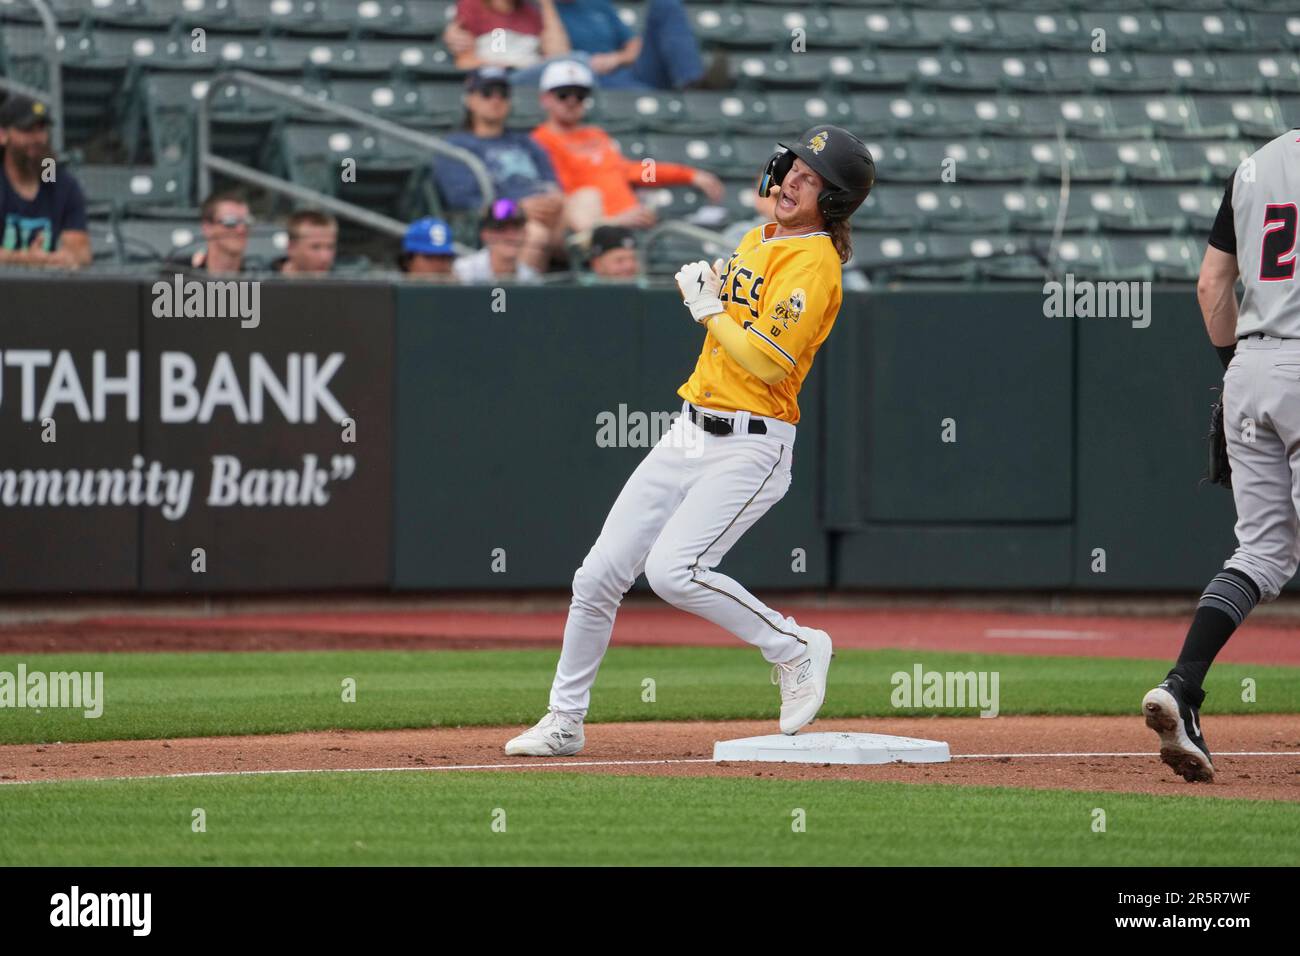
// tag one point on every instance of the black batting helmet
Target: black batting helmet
(838, 157)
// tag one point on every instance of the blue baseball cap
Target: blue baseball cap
(429, 236)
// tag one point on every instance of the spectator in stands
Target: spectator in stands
(529, 32)
(502, 233)
(42, 207)
(613, 253)
(313, 242)
(520, 169)
(591, 170)
(427, 251)
(665, 57)
(226, 222)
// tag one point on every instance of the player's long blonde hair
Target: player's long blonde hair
(841, 238)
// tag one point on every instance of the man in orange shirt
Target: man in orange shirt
(592, 172)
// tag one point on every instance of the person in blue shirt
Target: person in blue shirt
(520, 169)
(665, 57)
(42, 207)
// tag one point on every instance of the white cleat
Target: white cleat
(803, 681)
(555, 735)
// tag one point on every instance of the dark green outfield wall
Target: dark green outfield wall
(477, 442)
(1071, 435)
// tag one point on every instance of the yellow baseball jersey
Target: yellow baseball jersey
(785, 292)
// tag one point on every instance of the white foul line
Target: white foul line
(545, 764)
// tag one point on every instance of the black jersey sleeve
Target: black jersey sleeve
(1223, 234)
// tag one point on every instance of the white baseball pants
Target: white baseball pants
(1261, 416)
(687, 503)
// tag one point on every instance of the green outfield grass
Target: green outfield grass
(557, 818)
(181, 695)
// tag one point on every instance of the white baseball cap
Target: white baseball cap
(566, 73)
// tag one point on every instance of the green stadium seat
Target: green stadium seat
(1119, 209)
(703, 110)
(418, 19)
(389, 172)
(794, 71)
(113, 190)
(1169, 115)
(104, 243)
(706, 152)
(798, 111)
(1276, 73)
(153, 240)
(138, 14)
(1188, 207)
(240, 129)
(1228, 116)
(1113, 71)
(978, 114)
(898, 113)
(220, 15)
(751, 153)
(888, 28)
(955, 28)
(1273, 30)
(1036, 209)
(672, 202)
(1032, 30)
(1080, 116)
(67, 13)
(626, 111)
(1204, 30)
(1207, 160)
(1201, 72)
(394, 101)
(310, 18)
(1130, 31)
(872, 69)
(716, 24)
(937, 70)
(1016, 70)
(1164, 258)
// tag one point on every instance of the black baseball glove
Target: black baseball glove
(1220, 467)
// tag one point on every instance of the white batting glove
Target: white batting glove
(700, 285)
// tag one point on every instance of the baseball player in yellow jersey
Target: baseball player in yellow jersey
(727, 458)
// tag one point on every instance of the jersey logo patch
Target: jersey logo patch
(789, 309)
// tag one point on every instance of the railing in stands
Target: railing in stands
(209, 163)
(53, 97)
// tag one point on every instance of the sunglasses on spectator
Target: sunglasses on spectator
(232, 222)
(495, 91)
(571, 93)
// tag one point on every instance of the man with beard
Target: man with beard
(42, 207)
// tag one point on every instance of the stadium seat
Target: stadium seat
(960, 28)
(798, 111)
(1189, 207)
(312, 18)
(1166, 258)
(1112, 71)
(706, 152)
(1220, 30)
(793, 71)
(1032, 30)
(1149, 114)
(1080, 116)
(117, 190)
(1229, 116)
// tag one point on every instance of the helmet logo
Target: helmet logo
(818, 142)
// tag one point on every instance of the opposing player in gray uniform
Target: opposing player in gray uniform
(1254, 237)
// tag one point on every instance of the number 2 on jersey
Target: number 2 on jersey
(1277, 252)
